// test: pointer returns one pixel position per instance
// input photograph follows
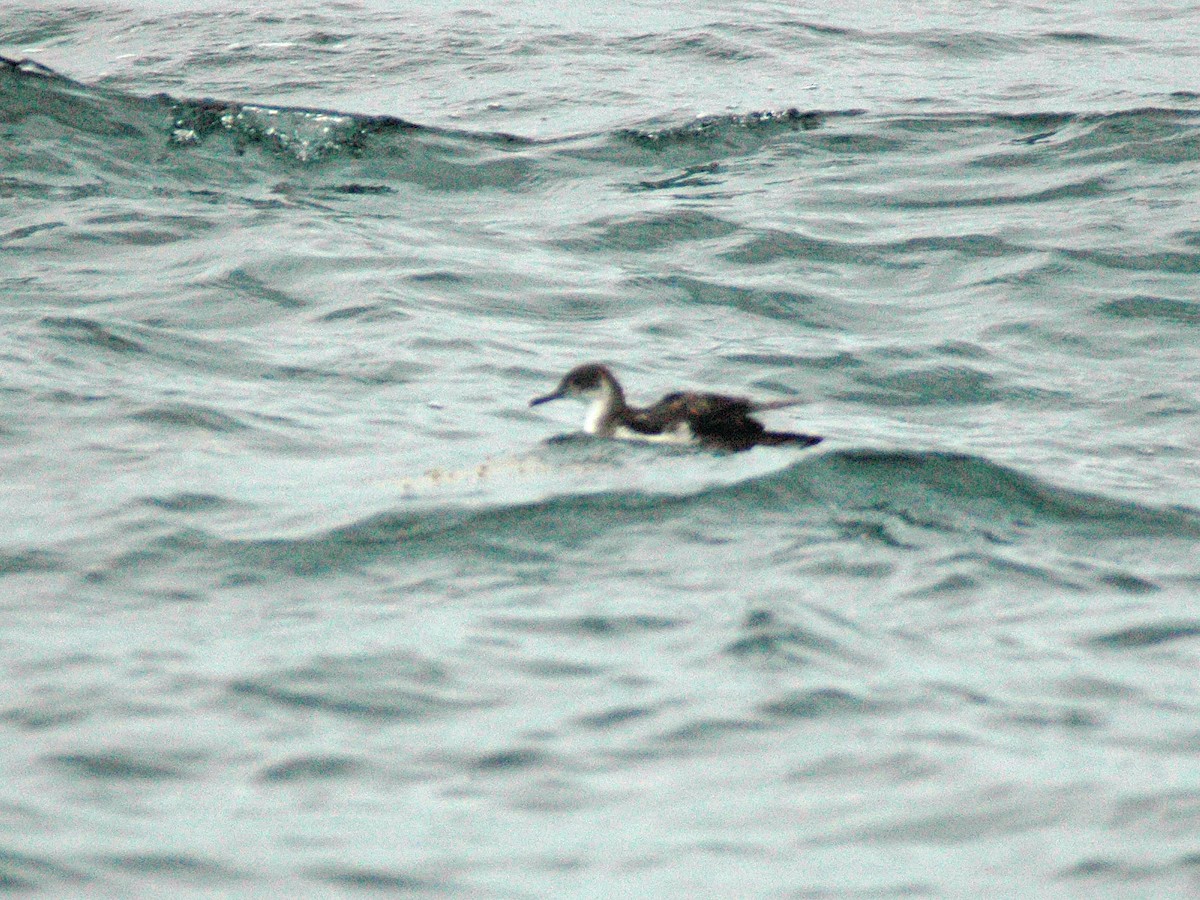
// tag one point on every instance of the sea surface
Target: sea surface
(298, 596)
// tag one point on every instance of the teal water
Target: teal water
(297, 593)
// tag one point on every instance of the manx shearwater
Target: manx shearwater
(709, 420)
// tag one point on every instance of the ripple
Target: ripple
(381, 880)
(139, 229)
(961, 820)
(593, 626)
(244, 285)
(173, 864)
(117, 766)
(1147, 635)
(819, 703)
(771, 303)
(1129, 583)
(1163, 261)
(15, 562)
(951, 385)
(646, 233)
(709, 729)
(22, 872)
(1166, 309)
(510, 760)
(78, 330)
(189, 502)
(310, 768)
(1085, 37)
(189, 415)
(616, 717)
(775, 244)
(370, 687)
(726, 129)
(765, 634)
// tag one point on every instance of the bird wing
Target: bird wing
(712, 417)
(653, 419)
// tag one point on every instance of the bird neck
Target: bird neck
(608, 403)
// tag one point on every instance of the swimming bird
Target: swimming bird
(709, 420)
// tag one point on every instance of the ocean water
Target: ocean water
(298, 594)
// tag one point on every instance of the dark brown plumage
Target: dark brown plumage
(712, 420)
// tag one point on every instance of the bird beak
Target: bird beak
(539, 400)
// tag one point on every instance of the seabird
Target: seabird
(709, 420)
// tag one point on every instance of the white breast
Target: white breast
(680, 434)
(595, 414)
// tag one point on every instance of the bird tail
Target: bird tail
(764, 405)
(787, 439)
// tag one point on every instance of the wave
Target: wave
(302, 136)
(946, 493)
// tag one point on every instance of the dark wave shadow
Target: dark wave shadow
(374, 687)
(947, 493)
